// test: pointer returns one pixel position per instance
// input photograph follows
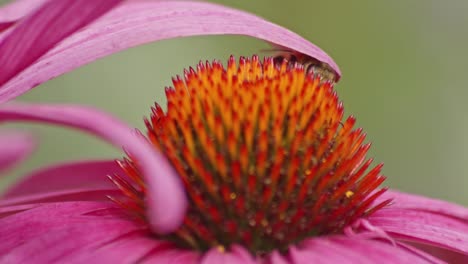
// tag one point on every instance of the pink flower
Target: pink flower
(252, 163)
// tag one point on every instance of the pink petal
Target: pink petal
(14, 147)
(67, 176)
(242, 253)
(63, 232)
(130, 248)
(439, 223)
(85, 194)
(324, 250)
(341, 249)
(424, 227)
(442, 253)
(237, 255)
(5, 25)
(386, 251)
(166, 199)
(139, 22)
(276, 258)
(11, 13)
(15, 228)
(48, 25)
(172, 256)
(9, 210)
(58, 243)
(421, 203)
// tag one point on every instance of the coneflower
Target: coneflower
(253, 162)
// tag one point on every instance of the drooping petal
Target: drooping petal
(424, 227)
(74, 175)
(341, 249)
(14, 11)
(14, 147)
(68, 232)
(138, 22)
(45, 27)
(166, 197)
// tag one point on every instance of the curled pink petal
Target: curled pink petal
(40, 31)
(67, 176)
(166, 196)
(138, 22)
(12, 12)
(14, 147)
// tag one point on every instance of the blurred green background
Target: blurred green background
(404, 78)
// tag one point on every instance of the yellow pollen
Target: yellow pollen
(349, 194)
(221, 248)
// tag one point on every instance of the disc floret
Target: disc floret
(264, 154)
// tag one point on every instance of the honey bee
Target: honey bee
(311, 65)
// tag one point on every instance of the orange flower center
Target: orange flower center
(264, 155)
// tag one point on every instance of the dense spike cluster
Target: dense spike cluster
(264, 155)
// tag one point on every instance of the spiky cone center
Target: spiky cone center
(264, 155)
